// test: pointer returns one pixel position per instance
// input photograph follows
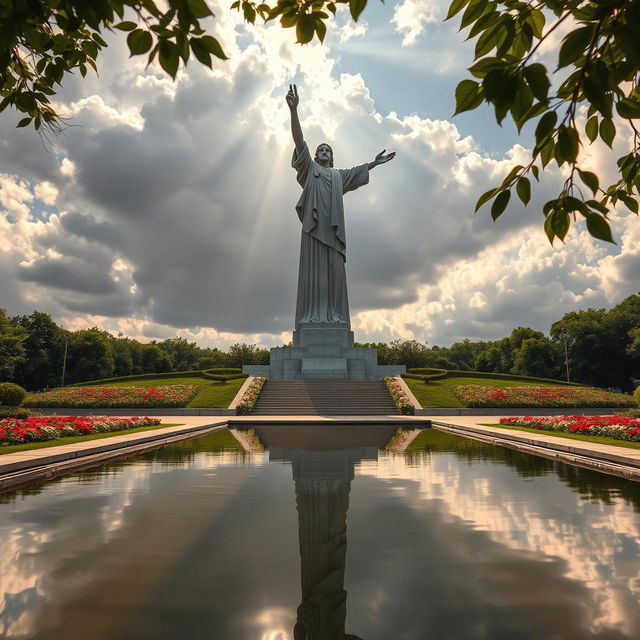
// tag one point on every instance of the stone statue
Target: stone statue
(322, 283)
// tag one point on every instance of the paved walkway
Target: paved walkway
(40, 464)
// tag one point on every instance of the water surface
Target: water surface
(322, 535)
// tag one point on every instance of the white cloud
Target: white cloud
(411, 16)
(46, 192)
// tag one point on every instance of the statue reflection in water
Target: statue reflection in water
(322, 472)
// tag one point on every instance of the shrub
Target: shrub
(16, 412)
(11, 395)
(426, 373)
(636, 395)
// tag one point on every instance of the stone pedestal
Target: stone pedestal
(323, 351)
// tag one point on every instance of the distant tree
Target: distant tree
(211, 358)
(183, 353)
(464, 354)
(155, 360)
(12, 351)
(44, 351)
(537, 357)
(90, 356)
(241, 353)
(122, 356)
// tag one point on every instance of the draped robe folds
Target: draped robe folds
(322, 280)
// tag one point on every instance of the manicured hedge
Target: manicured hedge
(426, 373)
(222, 374)
(507, 376)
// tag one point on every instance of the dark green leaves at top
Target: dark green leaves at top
(574, 45)
(356, 7)
(169, 57)
(523, 189)
(456, 6)
(536, 75)
(590, 179)
(468, 96)
(628, 108)
(567, 145)
(139, 41)
(305, 28)
(500, 204)
(598, 227)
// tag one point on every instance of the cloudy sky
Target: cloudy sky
(168, 208)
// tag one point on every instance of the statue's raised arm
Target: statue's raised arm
(296, 129)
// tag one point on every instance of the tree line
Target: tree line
(599, 347)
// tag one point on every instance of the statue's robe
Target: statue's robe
(322, 281)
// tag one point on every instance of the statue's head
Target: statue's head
(324, 155)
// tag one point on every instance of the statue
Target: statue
(322, 282)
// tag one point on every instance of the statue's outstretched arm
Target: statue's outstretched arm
(296, 129)
(381, 158)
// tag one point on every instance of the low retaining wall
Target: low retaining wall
(70, 411)
(523, 411)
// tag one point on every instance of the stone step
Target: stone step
(324, 397)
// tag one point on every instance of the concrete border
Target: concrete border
(405, 387)
(581, 456)
(236, 400)
(518, 411)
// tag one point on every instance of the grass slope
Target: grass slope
(438, 394)
(213, 394)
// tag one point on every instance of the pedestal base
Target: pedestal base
(323, 351)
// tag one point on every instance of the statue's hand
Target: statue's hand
(381, 158)
(292, 97)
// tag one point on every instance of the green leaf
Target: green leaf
(500, 204)
(537, 20)
(630, 203)
(23, 123)
(199, 9)
(200, 51)
(473, 12)
(567, 143)
(139, 41)
(127, 25)
(560, 222)
(591, 128)
(546, 125)
(598, 206)
(321, 29)
(599, 228)
(536, 75)
(523, 189)
(574, 45)
(548, 228)
(607, 131)
(169, 57)
(628, 108)
(356, 7)
(456, 6)
(590, 179)
(485, 197)
(214, 47)
(249, 12)
(468, 96)
(536, 172)
(305, 28)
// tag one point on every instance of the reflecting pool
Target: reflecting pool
(328, 533)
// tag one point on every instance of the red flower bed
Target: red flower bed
(21, 430)
(475, 395)
(173, 395)
(617, 427)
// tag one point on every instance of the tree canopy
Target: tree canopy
(598, 63)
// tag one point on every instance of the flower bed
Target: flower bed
(249, 397)
(617, 427)
(401, 399)
(173, 395)
(21, 430)
(474, 395)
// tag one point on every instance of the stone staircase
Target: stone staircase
(324, 397)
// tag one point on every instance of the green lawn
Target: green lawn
(73, 439)
(437, 393)
(571, 436)
(213, 394)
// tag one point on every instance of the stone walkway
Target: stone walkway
(40, 464)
